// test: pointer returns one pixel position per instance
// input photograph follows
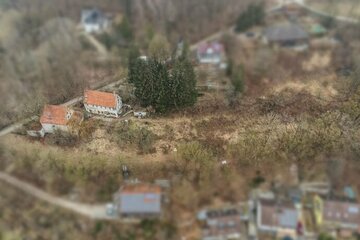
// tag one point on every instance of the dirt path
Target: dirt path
(91, 211)
(93, 41)
(303, 3)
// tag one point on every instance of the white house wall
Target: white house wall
(51, 128)
(105, 111)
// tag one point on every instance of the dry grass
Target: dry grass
(346, 8)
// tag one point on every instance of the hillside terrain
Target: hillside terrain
(235, 118)
(346, 8)
(44, 58)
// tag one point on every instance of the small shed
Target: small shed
(34, 129)
(317, 30)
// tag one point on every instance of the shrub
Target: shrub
(61, 138)
(195, 161)
(128, 133)
(253, 15)
(87, 128)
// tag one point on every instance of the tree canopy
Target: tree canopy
(163, 85)
(254, 15)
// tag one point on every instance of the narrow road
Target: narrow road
(87, 210)
(303, 4)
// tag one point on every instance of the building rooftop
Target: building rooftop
(278, 215)
(211, 48)
(97, 98)
(341, 212)
(286, 32)
(140, 198)
(53, 114)
(92, 16)
(221, 222)
(141, 188)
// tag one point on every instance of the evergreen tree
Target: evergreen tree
(237, 80)
(163, 88)
(254, 15)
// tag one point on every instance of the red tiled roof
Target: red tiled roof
(98, 98)
(216, 47)
(141, 188)
(53, 114)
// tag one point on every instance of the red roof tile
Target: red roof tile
(98, 98)
(53, 114)
(141, 188)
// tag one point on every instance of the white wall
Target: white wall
(91, 28)
(105, 111)
(51, 128)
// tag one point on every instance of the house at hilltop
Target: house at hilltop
(102, 103)
(94, 20)
(62, 118)
(210, 53)
(139, 200)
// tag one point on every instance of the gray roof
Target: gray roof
(140, 199)
(288, 218)
(92, 16)
(286, 32)
(140, 203)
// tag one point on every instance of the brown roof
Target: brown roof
(98, 98)
(53, 114)
(282, 215)
(222, 222)
(141, 188)
(341, 212)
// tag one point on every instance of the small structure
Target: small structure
(221, 223)
(55, 117)
(94, 21)
(139, 200)
(34, 129)
(317, 30)
(210, 53)
(279, 218)
(103, 103)
(337, 215)
(286, 35)
(140, 114)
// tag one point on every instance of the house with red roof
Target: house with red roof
(210, 53)
(102, 103)
(56, 117)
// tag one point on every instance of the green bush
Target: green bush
(254, 15)
(128, 133)
(61, 138)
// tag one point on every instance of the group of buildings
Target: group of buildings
(64, 118)
(299, 216)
